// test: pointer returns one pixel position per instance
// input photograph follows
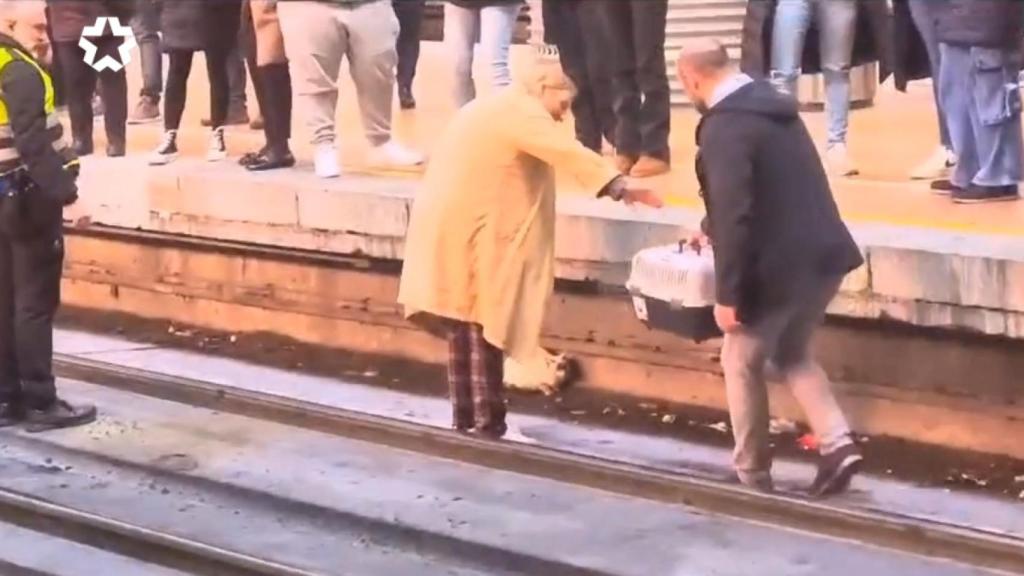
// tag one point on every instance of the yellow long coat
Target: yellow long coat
(480, 245)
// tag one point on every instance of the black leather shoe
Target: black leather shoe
(984, 194)
(82, 147)
(272, 160)
(405, 98)
(944, 187)
(60, 414)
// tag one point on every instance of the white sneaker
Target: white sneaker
(838, 162)
(218, 150)
(937, 166)
(392, 153)
(167, 151)
(325, 162)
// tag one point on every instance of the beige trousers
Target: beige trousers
(782, 336)
(318, 37)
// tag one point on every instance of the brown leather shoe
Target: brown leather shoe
(624, 163)
(648, 166)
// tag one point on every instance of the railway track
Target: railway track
(150, 548)
(914, 535)
(891, 377)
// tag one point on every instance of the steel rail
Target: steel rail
(133, 541)
(921, 536)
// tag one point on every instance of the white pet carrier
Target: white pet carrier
(673, 289)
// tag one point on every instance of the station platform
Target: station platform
(887, 141)
(931, 263)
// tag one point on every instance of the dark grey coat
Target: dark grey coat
(197, 25)
(983, 23)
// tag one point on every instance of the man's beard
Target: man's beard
(43, 55)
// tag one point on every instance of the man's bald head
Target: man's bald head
(702, 64)
(705, 55)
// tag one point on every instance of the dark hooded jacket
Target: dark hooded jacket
(199, 25)
(872, 40)
(909, 53)
(771, 217)
(995, 24)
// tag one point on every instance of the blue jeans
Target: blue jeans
(981, 96)
(924, 14)
(836, 25)
(495, 26)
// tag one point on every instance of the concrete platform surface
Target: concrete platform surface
(887, 140)
(869, 493)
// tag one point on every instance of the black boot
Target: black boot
(275, 83)
(59, 414)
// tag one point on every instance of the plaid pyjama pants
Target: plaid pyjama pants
(476, 381)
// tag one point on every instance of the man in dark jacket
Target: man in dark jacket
(37, 179)
(781, 252)
(980, 44)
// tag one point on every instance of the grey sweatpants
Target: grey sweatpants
(782, 336)
(318, 36)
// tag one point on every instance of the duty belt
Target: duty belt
(13, 182)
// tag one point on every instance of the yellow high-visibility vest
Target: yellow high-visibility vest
(10, 159)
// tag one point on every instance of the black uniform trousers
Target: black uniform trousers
(30, 275)
(79, 81)
(567, 24)
(634, 30)
(410, 19)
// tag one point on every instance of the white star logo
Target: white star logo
(96, 31)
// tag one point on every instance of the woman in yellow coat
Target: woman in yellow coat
(479, 254)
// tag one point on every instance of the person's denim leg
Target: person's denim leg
(837, 26)
(460, 28)
(146, 27)
(995, 112)
(924, 14)
(957, 101)
(792, 20)
(497, 25)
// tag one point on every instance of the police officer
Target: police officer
(37, 179)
